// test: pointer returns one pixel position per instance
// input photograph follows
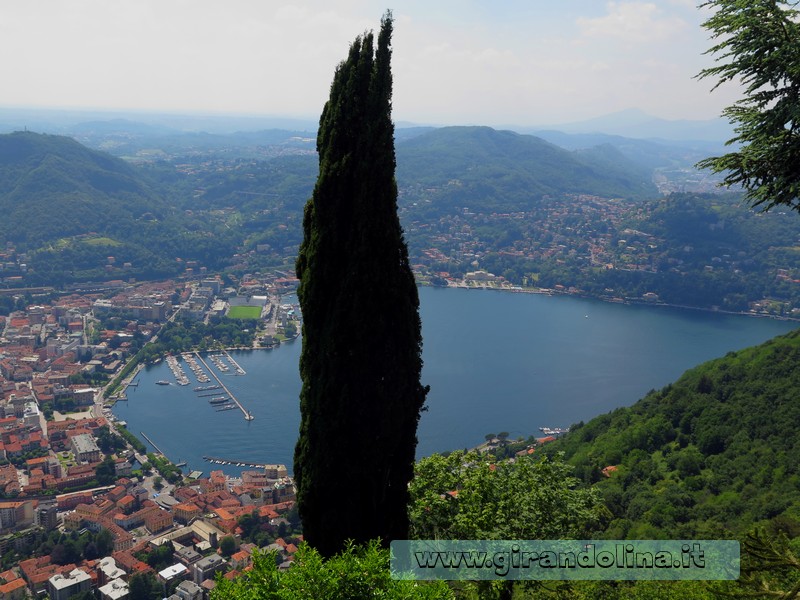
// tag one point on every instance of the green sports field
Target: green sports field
(244, 312)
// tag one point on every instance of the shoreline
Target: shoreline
(625, 301)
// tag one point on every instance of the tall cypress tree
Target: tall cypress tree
(361, 360)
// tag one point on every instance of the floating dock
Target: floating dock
(239, 370)
(235, 463)
(554, 430)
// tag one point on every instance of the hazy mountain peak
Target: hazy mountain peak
(637, 124)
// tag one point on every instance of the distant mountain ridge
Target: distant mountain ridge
(654, 154)
(641, 138)
(637, 124)
(632, 123)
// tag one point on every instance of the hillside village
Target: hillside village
(66, 471)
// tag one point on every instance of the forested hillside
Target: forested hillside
(74, 214)
(709, 456)
(505, 171)
(52, 187)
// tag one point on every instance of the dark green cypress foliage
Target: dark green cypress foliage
(361, 360)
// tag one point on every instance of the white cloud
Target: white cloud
(636, 22)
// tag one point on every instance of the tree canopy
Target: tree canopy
(470, 496)
(759, 45)
(361, 362)
(356, 572)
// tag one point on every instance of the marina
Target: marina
(239, 370)
(199, 374)
(248, 416)
(177, 370)
(217, 360)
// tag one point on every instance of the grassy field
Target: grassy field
(244, 312)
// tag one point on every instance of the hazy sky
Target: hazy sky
(499, 62)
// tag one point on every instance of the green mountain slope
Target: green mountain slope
(53, 187)
(79, 214)
(508, 170)
(709, 456)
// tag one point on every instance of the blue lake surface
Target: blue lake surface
(495, 361)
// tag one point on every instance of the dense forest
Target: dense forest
(710, 456)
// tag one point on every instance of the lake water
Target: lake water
(495, 361)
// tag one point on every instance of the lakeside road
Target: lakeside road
(624, 301)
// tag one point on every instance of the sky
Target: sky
(455, 62)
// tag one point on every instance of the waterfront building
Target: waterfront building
(275, 471)
(216, 482)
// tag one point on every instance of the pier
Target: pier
(248, 416)
(152, 443)
(239, 369)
